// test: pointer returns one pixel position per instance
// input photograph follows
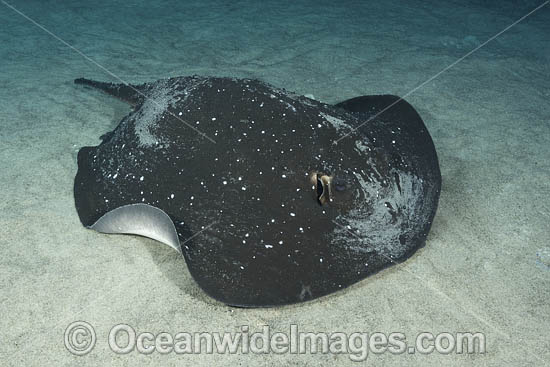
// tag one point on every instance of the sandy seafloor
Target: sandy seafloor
(485, 267)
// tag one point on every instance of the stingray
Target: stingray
(271, 197)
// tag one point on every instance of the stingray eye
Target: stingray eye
(324, 194)
(319, 185)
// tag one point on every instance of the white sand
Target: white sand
(489, 117)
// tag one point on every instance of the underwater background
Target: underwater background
(478, 72)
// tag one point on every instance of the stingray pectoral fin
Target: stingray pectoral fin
(393, 113)
(141, 219)
(132, 94)
(385, 103)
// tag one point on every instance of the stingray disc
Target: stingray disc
(267, 207)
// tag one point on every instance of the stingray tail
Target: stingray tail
(132, 94)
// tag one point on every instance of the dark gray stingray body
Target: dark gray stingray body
(274, 211)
